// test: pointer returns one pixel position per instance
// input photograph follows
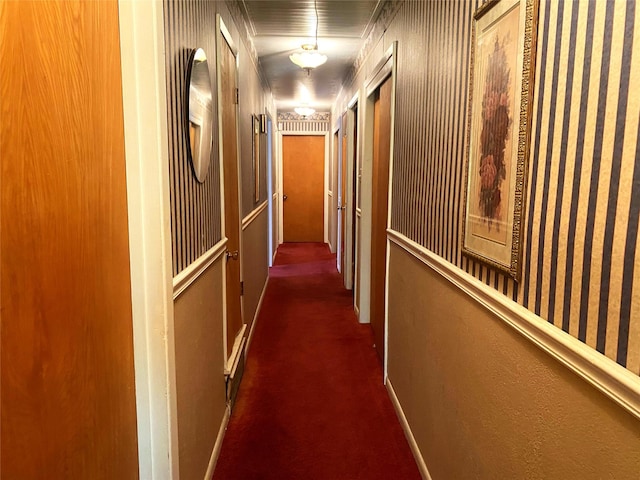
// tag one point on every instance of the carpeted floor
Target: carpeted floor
(312, 404)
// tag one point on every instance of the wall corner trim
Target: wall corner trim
(613, 380)
(186, 277)
(144, 92)
(417, 455)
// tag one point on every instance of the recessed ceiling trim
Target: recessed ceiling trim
(248, 19)
(372, 19)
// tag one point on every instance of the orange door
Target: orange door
(68, 406)
(231, 202)
(303, 186)
(381, 155)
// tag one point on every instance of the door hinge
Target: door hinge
(241, 288)
(237, 98)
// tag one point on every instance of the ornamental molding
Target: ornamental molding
(387, 14)
(238, 13)
(294, 117)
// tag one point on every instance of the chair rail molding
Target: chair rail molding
(189, 275)
(246, 221)
(613, 380)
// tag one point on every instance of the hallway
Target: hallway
(312, 403)
(480, 173)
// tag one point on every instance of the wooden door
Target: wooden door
(303, 188)
(67, 373)
(381, 157)
(231, 202)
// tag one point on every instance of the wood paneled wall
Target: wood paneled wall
(68, 395)
(195, 207)
(583, 199)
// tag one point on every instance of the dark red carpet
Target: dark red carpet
(312, 404)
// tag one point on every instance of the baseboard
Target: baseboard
(255, 317)
(232, 363)
(234, 379)
(422, 466)
(218, 445)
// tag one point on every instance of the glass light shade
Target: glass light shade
(304, 111)
(308, 60)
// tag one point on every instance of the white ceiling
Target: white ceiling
(280, 27)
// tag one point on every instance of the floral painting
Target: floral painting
(499, 111)
(496, 119)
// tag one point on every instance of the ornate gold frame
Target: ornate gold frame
(525, 82)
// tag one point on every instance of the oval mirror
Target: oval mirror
(199, 114)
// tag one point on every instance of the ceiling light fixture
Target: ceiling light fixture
(304, 111)
(310, 57)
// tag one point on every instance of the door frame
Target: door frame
(352, 186)
(384, 69)
(354, 154)
(271, 188)
(339, 193)
(332, 194)
(350, 191)
(230, 360)
(147, 156)
(279, 168)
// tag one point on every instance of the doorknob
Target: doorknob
(231, 255)
(284, 197)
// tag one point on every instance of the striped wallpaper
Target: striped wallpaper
(582, 207)
(303, 126)
(195, 207)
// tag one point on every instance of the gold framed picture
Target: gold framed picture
(498, 131)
